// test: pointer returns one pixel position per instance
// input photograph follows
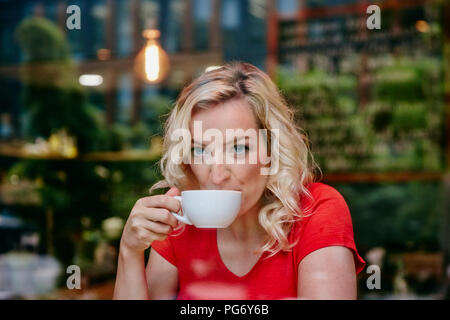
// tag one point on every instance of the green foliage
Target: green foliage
(327, 109)
(409, 116)
(42, 41)
(398, 82)
(51, 95)
(396, 216)
(69, 189)
(122, 136)
(339, 84)
(399, 129)
(408, 80)
(402, 128)
(127, 182)
(74, 190)
(154, 112)
(140, 136)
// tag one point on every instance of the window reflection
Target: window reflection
(288, 6)
(231, 16)
(172, 43)
(202, 17)
(98, 17)
(124, 98)
(124, 28)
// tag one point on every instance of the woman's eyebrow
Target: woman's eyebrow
(234, 139)
(198, 143)
(237, 138)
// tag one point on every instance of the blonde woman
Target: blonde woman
(293, 236)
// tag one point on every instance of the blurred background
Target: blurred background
(84, 91)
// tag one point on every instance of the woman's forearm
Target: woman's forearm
(131, 283)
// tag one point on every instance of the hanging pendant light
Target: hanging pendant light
(152, 62)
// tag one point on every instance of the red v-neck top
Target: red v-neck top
(203, 275)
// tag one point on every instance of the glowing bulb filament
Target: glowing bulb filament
(152, 62)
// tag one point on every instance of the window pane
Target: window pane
(99, 14)
(172, 42)
(124, 98)
(124, 28)
(202, 17)
(75, 37)
(287, 6)
(231, 15)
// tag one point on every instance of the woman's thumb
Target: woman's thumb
(173, 192)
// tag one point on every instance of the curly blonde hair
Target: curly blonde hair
(296, 166)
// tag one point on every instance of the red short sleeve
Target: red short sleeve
(165, 249)
(329, 224)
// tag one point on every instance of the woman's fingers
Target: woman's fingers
(173, 192)
(145, 234)
(150, 219)
(160, 215)
(161, 229)
(161, 201)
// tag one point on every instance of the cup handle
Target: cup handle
(178, 217)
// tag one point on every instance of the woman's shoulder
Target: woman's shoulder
(324, 206)
(321, 187)
(319, 191)
(329, 223)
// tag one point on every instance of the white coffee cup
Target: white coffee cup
(209, 208)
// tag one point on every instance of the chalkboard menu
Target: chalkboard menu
(369, 100)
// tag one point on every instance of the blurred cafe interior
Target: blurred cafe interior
(81, 119)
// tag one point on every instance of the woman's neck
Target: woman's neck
(245, 227)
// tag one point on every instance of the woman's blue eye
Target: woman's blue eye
(198, 151)
(240, 148)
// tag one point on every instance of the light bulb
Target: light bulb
(152, 62)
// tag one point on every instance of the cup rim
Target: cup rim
(208, 190)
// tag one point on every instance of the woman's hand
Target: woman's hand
(149, 220)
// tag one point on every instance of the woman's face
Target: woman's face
(234, 163)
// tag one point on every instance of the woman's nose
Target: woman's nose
(219, 173)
